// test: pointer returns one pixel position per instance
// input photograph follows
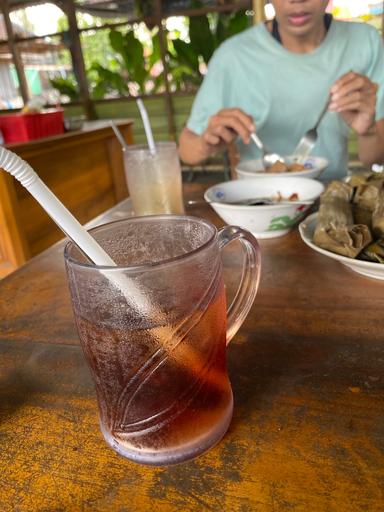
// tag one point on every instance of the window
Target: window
(370, 11)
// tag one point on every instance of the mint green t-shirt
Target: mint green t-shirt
(284, 92)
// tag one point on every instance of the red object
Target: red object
(22, 126)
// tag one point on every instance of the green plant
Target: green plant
(206, 33)
(66, 87)
(130, 67)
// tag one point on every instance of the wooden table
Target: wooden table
(307, 369)
(84, 168)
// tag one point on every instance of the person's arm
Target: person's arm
(223, 128)
(354, 97)
(371, 145)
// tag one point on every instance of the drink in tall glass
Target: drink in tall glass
(154, 180)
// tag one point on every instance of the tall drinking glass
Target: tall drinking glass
(154, 332)
(154, 180)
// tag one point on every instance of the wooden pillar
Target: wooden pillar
(16, 54)
(77, 58)
(382, 22)
(258, 11)
(163, 51)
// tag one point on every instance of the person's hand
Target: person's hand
(353, 96)
(228, 124)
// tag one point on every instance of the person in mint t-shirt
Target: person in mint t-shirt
(275, 77)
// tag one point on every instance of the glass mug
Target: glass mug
(154, 332)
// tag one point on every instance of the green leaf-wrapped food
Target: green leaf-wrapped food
(335, 230)
(335, 207)
(366, 200)
(347, 241)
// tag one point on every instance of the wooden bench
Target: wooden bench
(83, 168)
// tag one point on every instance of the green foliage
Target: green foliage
(131, 66)
(186, 54)
(66, 87)
(233, 24)
(156, 52)
(203, 39)
(107, 81)
(131, 52)
(206, 33)
(119, 64)
(96, 47)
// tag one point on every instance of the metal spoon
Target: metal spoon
(267, 158)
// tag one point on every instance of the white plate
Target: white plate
(254, 169)
(367, 268)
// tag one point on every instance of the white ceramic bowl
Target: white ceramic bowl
(74, 123)
(366, 268)
(255, 169)
(263, 221)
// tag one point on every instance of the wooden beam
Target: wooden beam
(198, 11)
(382, 22)
(258, 11)
(77, 59)
(164, 57)
(16, 54)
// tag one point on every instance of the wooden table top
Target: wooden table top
(307, 371)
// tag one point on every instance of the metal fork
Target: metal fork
(309, 139)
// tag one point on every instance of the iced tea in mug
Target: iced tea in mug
(158, 358)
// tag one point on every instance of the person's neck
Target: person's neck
(303, 44)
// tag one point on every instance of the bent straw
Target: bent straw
(23, 172)
(119, 136)
(147, 126)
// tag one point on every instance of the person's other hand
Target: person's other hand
(353, 96)
(225, 126)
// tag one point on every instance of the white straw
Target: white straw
(23, 172)
(119, 136)
(147, 126)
